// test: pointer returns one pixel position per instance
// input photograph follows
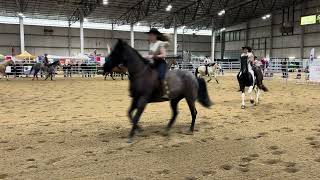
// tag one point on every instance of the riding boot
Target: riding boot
(164, 89)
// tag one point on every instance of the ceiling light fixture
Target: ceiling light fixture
(222, 12)
(21, 15)
(105, 2)
(169, 7)
(266, 16)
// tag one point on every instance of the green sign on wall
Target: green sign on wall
(312, 19)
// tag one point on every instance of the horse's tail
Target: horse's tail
(263, 88)
(31, 70)
(203, 96)
(260, 80)
(196, 72)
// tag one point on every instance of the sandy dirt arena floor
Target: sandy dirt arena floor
(77, 128)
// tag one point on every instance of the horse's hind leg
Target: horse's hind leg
(193, 110)
(121, 76)
(174, 108)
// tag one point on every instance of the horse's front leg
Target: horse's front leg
(133, 106)
(121, 76)
(215, 77)
(257, 96)
(141, 104)
(209, 79)
(47, 76)
(250, 93)
(111, 74)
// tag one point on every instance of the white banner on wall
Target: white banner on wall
(315, 70)
(8, 69)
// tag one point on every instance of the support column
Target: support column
(131, 35)
(213, 42)
(69, 41)
(21, 34)
(112, 35)
(303, 8)
(175, 41)
(271, 37)
(247, 34)
(223, 44)
(81, 36)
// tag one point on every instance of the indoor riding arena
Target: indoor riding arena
(82, 96)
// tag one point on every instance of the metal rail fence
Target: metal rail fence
(277, 68)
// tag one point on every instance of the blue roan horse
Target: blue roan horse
(245, 79)
(145, 87)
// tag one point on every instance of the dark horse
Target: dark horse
(109, 69)
(245, 79)
(51, 69)
(38, 67)
(145, 86)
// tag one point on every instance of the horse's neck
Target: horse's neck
(135, 64)
(6, 63)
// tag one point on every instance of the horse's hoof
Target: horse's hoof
(189, 132)
(130, 141)
(243, 107)
(139, 129)
(166, 133)
(251, 101)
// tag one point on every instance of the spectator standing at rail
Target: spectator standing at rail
(157, 53)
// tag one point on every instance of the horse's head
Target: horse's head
(244, 64)
(118, 55)
(10, 62)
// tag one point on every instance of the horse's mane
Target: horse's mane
(138, 54)
(54, 63)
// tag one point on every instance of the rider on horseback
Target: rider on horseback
(157, 53)
(248, 57)
(46, 61)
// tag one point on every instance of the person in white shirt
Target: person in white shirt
(157, 53)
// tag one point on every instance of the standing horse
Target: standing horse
(245, 79)
(208, 70)
(52, 69)
(109, 69)
(145, 86)
(4, 66)
(38, 67)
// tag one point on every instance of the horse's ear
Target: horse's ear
(120, 41)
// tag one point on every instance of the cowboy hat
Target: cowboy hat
(154, 31)
(247, 47)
